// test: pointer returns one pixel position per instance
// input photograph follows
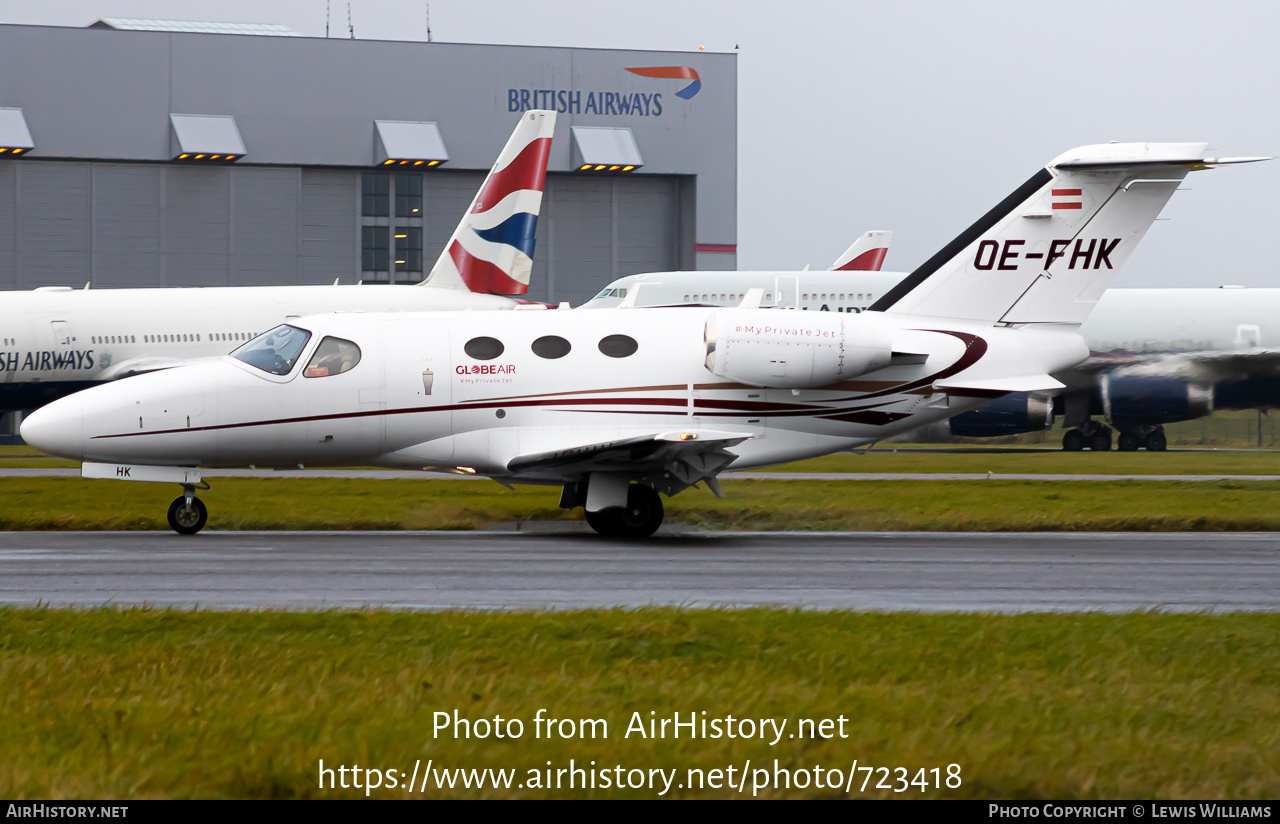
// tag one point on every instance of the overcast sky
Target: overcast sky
(910, 116)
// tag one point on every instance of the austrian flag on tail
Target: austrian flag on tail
(1067, 198)
(491, 251)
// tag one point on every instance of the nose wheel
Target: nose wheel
(187, 514)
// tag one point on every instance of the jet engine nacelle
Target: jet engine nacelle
(1010, 415)
(1154, 399)
(794, 350)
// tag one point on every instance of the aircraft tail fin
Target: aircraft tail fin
(866, 254)
(491, 251)
(1046, 253)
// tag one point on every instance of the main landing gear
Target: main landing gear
(187, 513)
(638, 516)
(1097, 438)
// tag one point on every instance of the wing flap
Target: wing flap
(671, 460)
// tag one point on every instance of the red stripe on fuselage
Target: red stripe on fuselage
(1068, 205)
(1066, 192)
(527, 171)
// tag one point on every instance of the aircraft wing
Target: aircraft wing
(672, 461)
(1206, 366)
(143, 364)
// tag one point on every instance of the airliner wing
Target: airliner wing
(1206, 366)
(143, 364)
(671, 460)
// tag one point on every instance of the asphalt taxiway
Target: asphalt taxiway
(559, 567)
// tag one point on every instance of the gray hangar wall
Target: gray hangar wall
(101, 199)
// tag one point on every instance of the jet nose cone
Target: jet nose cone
(57, 428)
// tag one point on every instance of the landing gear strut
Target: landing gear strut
(187, 513)
(640, 518)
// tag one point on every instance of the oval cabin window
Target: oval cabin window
(619, 346)
(483, 348)
(551, 347)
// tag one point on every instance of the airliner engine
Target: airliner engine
(794, 350)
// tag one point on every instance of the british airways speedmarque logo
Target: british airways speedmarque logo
(636, 104)
(673, 72)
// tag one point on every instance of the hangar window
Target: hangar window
(408, 248)
(618, 346)
(483, 348)
(375, 194)
(551, 347)
(374, 248)
(408, 195)
(274, 351)
(333, 357)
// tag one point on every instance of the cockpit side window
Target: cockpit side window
(275, 351)
(333, 357)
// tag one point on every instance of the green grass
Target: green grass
(302, 503)
(140, 703)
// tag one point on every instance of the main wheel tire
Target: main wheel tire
(1128, 442)
(1156, 442)
(1073, 441)
(640, 518)
(187, 520)
(606, 522)
(642, 515)
(1100, 442)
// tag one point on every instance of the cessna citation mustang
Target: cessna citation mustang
(55, 341)
(617, 407)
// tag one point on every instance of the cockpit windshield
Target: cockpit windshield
(275, 351)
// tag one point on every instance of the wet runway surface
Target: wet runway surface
(564, 569)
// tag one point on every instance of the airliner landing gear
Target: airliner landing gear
(187, 513)
(640, 518)
(1094, 435)
(1150, 437)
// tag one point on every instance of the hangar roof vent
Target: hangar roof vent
(205, 137)
(137, 24)
(605, 149)
(408, 143)
(15, 137)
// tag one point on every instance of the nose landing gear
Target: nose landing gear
(187, 513)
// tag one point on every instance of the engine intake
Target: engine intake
(794, 350)
(1154, 400)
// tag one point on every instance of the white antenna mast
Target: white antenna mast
(351, 30)
(428, 22)
(326, 17)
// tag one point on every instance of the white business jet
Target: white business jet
(55, 340)
(617, 407)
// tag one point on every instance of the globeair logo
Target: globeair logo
(567, 101)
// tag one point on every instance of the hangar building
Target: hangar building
(132, 155)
